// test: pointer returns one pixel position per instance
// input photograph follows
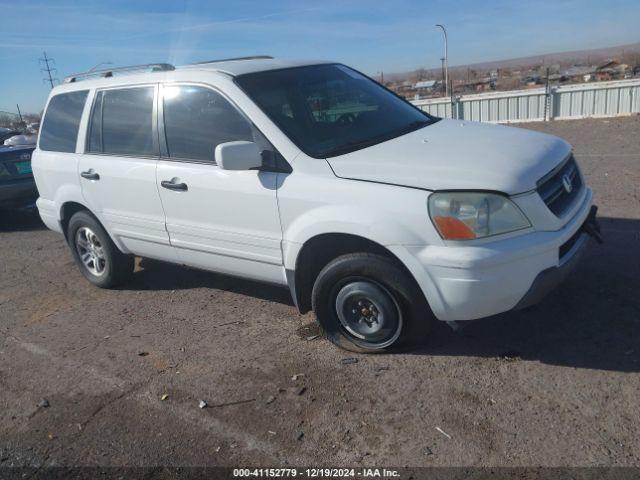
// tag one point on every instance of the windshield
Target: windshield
(330, 110)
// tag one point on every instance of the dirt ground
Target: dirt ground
(558, 385)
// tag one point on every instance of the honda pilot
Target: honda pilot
(380, 218)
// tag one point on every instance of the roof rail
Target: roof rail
(253, 57)
(154, 67)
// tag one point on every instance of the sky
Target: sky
(370, 35)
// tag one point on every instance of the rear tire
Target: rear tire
(96, 255)
(367, 303)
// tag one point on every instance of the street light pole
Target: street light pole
(446, 61)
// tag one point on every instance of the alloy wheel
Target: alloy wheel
(91, 251)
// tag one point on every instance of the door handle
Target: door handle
(90, 175)
(172, 185)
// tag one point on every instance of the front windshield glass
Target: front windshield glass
(330, 110)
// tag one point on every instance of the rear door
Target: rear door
(221, 220)
(118, 170)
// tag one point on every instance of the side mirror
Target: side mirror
(239, 155)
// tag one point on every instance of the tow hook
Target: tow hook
(591, 225)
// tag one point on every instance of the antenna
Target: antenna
(48, 69)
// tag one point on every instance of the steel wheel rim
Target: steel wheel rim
(368, 313)
(91, 251)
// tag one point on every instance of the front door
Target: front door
(217, 219)
(118, 170)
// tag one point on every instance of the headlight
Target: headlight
(469, 215)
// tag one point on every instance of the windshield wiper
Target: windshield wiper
(353, 146)
(350, 147)
(415, 125)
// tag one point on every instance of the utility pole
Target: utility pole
(48, 69)
(445, 62)
(547, 96)
(444, 79)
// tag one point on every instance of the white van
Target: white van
(310, 175)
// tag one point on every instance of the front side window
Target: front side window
(330, 110)
(62, 121)
(197, 119)
(122, 122)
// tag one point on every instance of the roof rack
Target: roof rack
(253, 57)
(154, 67)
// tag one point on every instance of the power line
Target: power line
(48, 69)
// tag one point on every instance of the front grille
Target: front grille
(554, 192)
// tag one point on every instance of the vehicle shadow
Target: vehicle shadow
(591, 321)
(157, 275)
(20, 221)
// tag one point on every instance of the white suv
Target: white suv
(376, 215)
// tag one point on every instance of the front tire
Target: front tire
(367, 303)
(94, 252)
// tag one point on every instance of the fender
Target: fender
(377, 226)
(51, 210)
(99, 217)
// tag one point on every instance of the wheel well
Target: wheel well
(318, 251)
(67, 211)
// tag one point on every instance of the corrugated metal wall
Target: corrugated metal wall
(603, 99)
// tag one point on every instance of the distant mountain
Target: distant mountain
(593, 56)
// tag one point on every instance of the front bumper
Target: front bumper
(470, 282)
(570, 254)
(19, 193)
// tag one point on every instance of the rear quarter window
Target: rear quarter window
(59, 131)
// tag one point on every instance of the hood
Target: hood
(458, 155)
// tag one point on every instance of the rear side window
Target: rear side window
(197, 119)
(121, 122)
(62, 121)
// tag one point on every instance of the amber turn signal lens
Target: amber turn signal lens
(453, 229)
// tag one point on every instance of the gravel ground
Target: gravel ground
(557, 385)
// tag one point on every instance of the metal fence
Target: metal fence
(603, 99)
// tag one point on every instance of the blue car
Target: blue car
(17, 186)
